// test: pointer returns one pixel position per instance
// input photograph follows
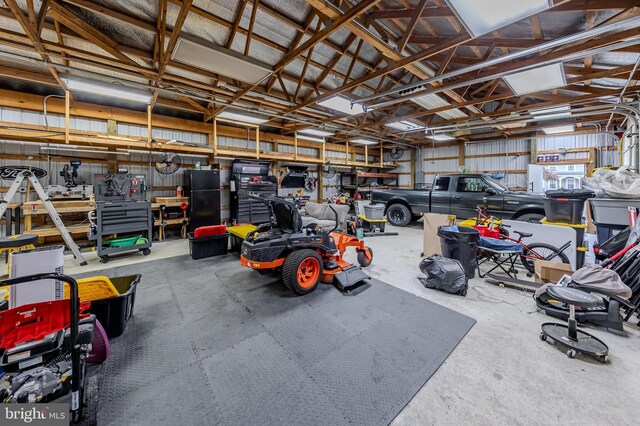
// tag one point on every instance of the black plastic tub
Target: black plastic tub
(114, 312)
(214, 245)
(564, 210)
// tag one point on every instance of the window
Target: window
(470, 184)
(553, 184)
(571, 167)
(442, 183)
(553, 168)
(569, 183)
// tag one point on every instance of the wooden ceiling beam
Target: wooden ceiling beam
(337, 24)
(175, 34)
(33, 37)
(427, 12)
(88, 32)
(252, 22)
(412, 25)
(236, 23)
(626, 69)
(518, 43)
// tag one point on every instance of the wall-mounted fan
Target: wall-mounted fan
(167, 163)
(328, 171)
(397, 152)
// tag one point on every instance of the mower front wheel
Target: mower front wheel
(302, 271)
(365, 257)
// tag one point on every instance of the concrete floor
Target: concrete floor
(501, 373)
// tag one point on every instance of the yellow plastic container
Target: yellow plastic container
(93, 288)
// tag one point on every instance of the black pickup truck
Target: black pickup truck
(460, 195)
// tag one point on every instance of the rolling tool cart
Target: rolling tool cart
(121, 209)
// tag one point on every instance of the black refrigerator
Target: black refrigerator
(203, 189)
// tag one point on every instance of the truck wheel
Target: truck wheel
(399, 215)
(302, 271)
(531, 217)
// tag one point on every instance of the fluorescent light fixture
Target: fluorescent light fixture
(433, 101)
(561, 111)
(110, 90)
(483, 16)
(363, 141)
(316, 132)
(342, 104)
(219, 60)
(441, 137)
(310, 138)
(405, 125)
(241, 117)
(515, 125)
(537, 79)
(559, 129)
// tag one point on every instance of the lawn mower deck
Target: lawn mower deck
(307, 255)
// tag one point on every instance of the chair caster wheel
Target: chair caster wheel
(104, 259)
(603, 359)
(543, 337)
(571, 353)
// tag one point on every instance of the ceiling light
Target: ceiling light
(405, 125)
(241, 117)
(515, 125)
(316, 132)
(537, 79)
(310, 138)
(219, 60)
(559, 129)
(364, 141)
(441, 137)
(561, 111)
(433, 101)
(483, 16)
(342, 104)
(101, 88)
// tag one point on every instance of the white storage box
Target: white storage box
(36, 261)
(374, 211)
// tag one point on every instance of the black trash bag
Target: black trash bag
(444, 274)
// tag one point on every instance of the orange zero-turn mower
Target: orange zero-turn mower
(307, 254)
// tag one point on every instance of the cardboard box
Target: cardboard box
(551, 272)
(431, 243)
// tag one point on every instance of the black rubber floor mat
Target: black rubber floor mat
(214, 343)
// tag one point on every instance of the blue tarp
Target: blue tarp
(500, 245)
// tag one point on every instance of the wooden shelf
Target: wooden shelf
(52, 231)
(34, 208)
(377, 175)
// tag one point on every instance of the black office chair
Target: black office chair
(576, 341)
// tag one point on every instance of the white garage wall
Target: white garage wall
(511, 157)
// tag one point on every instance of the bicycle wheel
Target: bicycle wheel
(541, 251)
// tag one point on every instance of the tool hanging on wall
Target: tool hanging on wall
(46, 202)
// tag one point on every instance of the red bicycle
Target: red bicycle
(488, 227)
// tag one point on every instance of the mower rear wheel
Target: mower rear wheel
(363, 259)
(302, 271)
